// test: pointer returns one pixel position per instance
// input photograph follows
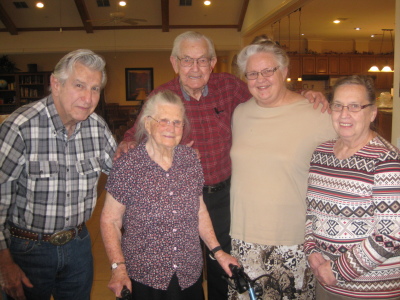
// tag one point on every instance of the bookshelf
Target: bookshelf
(21, 89)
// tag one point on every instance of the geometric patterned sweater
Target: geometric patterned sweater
(353, 218)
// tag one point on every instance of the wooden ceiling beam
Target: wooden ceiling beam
(83, 12)
(8, 23)
(242, 14)
(165, 15)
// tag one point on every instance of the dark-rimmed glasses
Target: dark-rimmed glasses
(354, 107)
(188, 61)
(166, 122)
(264, 73)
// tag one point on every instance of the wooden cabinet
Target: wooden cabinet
(322, 65)
(344, 65)
(356, 65)
(22, 88)
(334, 65)
(308, 65)
(341, 65)
(295, 68)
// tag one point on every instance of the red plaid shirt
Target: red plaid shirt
(210, 120)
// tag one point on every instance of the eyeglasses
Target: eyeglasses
(166, 122)
(355, 107)
(188, 61)
(264, 73)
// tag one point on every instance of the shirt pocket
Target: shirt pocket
(87, 166)
(42, 169)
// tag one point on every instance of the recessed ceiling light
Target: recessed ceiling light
(372, 35)
(122, 3)
(357, 28)
(39, 5)
(207, 2)
(302, 34)
(336, 21)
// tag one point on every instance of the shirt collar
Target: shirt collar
(55, 117)
(204, 93)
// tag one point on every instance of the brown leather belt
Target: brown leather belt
(59, 238)
(216, 187)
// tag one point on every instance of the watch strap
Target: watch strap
(213, 251)
(116, 264)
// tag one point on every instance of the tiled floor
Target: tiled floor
(102, 270)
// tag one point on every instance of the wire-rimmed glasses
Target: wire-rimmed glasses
(166, 122)
(265, 73)
(189, 61)
(354, 107)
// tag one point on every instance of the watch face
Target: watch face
(114, 266)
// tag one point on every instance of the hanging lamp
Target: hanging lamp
(385, 68)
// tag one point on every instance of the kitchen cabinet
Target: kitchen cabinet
(356, 65)
(344, 65)
(334, 65)
(308, 65)
(322, 65)
(295, 67)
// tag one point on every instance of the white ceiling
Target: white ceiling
(315, 20)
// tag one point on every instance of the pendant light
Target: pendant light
(385, 68)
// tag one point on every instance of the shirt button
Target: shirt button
(174, 230)
(174, 248)
(167, 174)
(175, 266)
(171, 193)
(174, 211)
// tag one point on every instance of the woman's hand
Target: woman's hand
(224, 259)
(119, 279)
(317, 98)
(322, 269)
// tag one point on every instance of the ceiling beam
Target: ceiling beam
(8, 23)
(165, 15)
(83, 12)
(243, 14)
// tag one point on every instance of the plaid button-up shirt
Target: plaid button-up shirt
(210, 120)
(48, 181)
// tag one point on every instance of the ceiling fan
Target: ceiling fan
(119, 17)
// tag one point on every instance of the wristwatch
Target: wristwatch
(213, 251)
(116, 264)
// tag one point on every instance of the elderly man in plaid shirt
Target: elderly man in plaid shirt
(52, 153)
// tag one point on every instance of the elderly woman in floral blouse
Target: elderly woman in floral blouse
(154, 192)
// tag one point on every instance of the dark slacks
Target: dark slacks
(218, 205)
(174, 292)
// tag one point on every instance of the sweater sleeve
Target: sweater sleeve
(384, 242)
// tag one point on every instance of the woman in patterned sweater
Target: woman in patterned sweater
(353, 223)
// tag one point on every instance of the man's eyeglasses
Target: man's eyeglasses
(188, 61)
(264, 73)
(166, 122)
(355, 107)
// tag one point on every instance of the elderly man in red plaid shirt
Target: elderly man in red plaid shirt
(210, 99)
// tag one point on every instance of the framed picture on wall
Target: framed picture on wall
(139, 83)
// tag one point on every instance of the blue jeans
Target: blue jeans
(66, 271)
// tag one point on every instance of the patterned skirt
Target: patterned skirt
(288, 276)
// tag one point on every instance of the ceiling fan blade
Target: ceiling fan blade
(133, 21)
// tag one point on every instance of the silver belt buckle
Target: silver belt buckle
(61, 238)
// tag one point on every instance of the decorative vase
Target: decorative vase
(3, 84)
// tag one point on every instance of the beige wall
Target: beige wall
(116, 64)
